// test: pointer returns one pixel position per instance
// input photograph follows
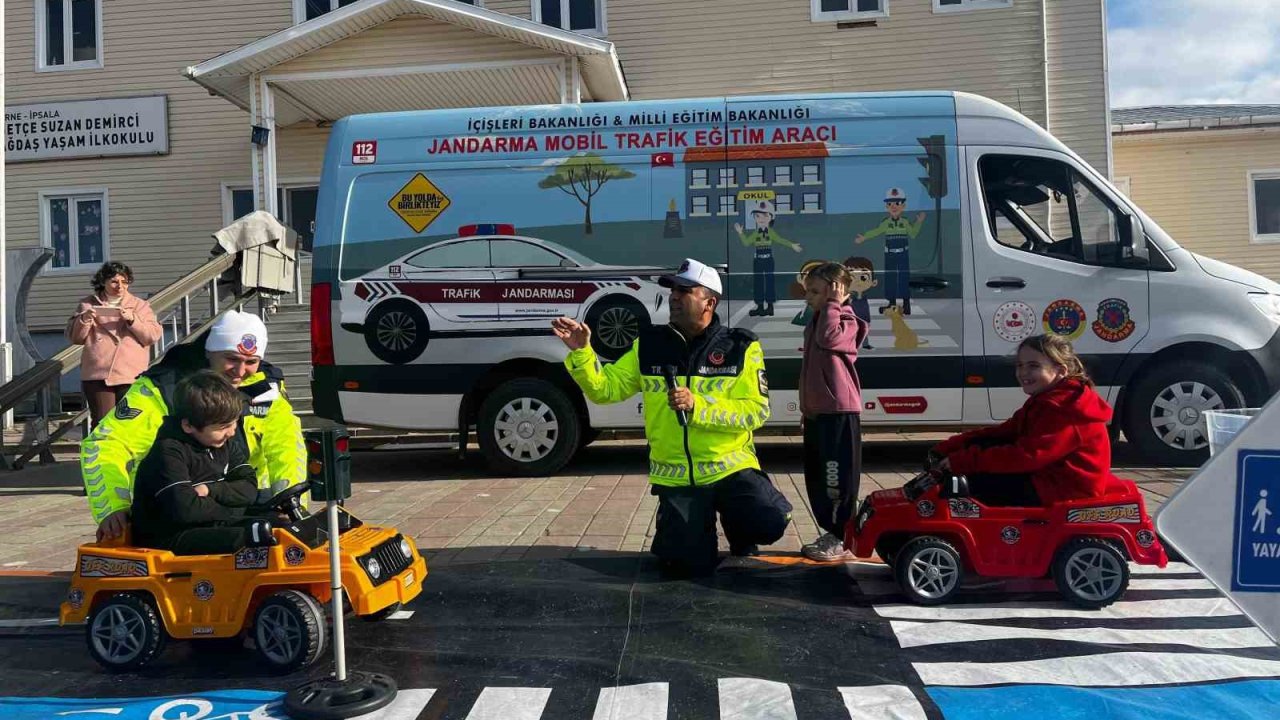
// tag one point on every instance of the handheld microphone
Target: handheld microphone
(669, 374)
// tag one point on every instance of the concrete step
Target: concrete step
(292, 352)
(289, 325)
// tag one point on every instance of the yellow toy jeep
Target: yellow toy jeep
(134, 599)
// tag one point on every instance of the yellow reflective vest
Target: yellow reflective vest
(725, 371)
(110, 455)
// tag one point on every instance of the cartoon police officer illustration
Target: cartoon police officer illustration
(898, 233)
(763, 238)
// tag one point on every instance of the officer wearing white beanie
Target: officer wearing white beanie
(234, 346)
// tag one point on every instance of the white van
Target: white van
(447, 240)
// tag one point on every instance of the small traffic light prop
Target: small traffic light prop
(935, 183)
(341, 695)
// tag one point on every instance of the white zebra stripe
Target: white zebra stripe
(408, 705)
(1122, 669)
(918, 634)
(881, 702)
(510, 703)
(752, 699)
(1173, 567)
(632, 702)
(889, 587)
(1172, 608)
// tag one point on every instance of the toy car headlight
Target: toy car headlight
(864, 514)
(374, 568)
(405, 549)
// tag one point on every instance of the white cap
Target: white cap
(763, 206)
(894, 195)
(240, 332)
(692, 273)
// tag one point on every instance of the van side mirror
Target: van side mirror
(1133, 241)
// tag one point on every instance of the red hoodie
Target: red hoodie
(1059, 437)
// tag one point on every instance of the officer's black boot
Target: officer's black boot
(893, 304)
(768, 311)
(757, 311)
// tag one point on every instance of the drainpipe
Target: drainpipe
(1044, 46)
(6, 353)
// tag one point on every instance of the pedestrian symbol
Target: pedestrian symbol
(1256, 547)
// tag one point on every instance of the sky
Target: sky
(1166, 52)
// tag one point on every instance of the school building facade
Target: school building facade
(135, 130)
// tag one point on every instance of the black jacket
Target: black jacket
(164, 498)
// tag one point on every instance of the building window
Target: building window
(829, 10)
(74, 224)
(782, 203)
(68, 34)
(755, 176)
(728, 177)
(782, 175)
(1264, 206)
(812, 203)
(945, 6)
(700, 208)
(727, 204)
(304, 10)
(810, 175)
(699, 178)
(582, 16)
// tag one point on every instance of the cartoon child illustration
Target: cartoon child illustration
(898, 233)
(796, 291)
(864, 278)
(763, 238)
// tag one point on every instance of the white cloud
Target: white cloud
(1197, 51)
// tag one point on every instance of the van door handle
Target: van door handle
(928, 283)
(1006, 282)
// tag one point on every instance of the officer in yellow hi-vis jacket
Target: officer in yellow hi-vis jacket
(701, 456)
(234, 346)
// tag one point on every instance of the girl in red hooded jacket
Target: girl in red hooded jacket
(1054, 448)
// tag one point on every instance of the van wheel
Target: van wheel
(125, 632)
(1164, 411)
(289, 630)
(1091, 572)
(528, 427)
(928, 570)
(615, 323)
(396, 331)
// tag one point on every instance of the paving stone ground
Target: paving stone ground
(458, 513)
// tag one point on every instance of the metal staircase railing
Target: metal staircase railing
(178, 306)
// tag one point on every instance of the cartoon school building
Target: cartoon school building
(719, 179)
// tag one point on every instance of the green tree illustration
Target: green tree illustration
(582, 176)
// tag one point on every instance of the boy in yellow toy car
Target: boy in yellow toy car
(193, 487)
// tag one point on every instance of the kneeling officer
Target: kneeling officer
(701, 456)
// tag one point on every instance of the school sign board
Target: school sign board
(1225, 520)
(87, 128)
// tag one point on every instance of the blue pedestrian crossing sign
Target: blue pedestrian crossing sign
(1256, 546)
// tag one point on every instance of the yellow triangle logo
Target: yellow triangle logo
(419, 203)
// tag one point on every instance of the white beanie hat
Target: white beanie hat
(240, 332)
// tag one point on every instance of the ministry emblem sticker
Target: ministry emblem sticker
(964, 508)
(925, 508)
(1065, 318)
(203, 590)
(1014, 321)
(1146, 538)
(1010, 535)
(294, 555)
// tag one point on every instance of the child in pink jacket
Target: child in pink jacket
(831, 402)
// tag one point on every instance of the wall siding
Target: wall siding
(1077, 88)
(1195, 184)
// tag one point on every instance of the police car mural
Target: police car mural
(459, 288)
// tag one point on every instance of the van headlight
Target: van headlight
(1267, 304)
(374, 568)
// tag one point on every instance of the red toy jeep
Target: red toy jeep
(932, 530)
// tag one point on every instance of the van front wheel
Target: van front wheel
(1164, 411)
(528, 427)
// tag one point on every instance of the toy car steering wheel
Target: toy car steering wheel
(289, 500)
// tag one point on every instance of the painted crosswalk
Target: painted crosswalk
(780, 333)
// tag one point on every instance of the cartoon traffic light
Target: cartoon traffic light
(329, 462)
(935, 165)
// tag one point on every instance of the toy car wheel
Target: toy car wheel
(396, 331)
(125, 632)
(382, 614)
(928, 570)
(289, 630)
(528, 427)
(1091, 572)
(615, 323)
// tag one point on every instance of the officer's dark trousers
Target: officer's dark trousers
(752, 511)
(762, 269)
(216, 540)
(897, 276)
(832, 467)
